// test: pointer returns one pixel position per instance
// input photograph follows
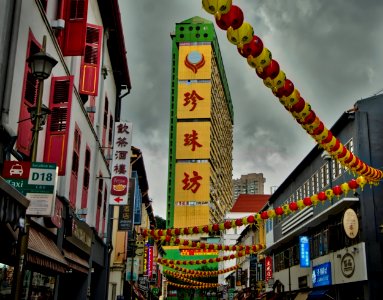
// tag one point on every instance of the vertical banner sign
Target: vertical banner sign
(122, 144)
(137, 204)
(304, 252)
(149, 267)
(125, 216)
(269, 268)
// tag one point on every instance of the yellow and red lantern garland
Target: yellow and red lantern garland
(185, 279)
(170, 235)
(190, 287)
(165, 261)
(196, 273)
(230, 18)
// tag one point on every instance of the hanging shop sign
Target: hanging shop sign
(304, 252)
(350, 223)
(126, 217)
(348, 265)
(37, 181)
(122, 144)
(269, 268)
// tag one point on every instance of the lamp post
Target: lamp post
(41, 65)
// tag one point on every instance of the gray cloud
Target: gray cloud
(331, 50)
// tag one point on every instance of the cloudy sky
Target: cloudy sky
(331, 50)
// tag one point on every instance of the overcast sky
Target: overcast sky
(331, 50)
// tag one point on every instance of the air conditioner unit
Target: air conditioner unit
(58, 24)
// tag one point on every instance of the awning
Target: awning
(42, 251)
(75, 262)
(301, 296)
(319, 294)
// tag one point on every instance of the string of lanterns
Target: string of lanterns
(197, 273)
(240, 33)
(182, 277)
(171, 235)
(191, 287)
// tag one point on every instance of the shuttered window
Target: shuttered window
(85, 186)
(58, 121)
(75, 15)
(90, 66)
(75, 167)
(29, 99)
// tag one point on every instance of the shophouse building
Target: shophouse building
(343, 235)
(67, 251)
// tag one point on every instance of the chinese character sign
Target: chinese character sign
(194, 100)
(322, 275)
(268, 268)
(120, 168)
(304, 252)
(193, 140)
(192, 182)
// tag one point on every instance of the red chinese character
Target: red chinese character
(120, 154)
(122, 142)
(191, 139)
(192, 183)
(122, 128)
(120, 169)
(192, 98)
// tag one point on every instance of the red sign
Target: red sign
(16, 169)
(269, 268)
(119, 185)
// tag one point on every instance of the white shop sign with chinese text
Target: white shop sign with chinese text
(120, 172)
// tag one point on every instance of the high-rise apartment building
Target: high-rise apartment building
(253, 183)
(201, 134)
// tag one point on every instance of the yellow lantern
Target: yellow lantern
(217, 7)
(290, 100)
(261, 61)
(240, 36)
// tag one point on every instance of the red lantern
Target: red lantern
(177, 241)
(293, 206)
(211, 246)
(328, 138)
(272, 70)
(195, 229)
(233, 18)
(264, 215)
(227, 224)
(202, 245)
(177, 231)
(250, 219)
(279, 211)
(347, 161)
(353, 184)
(298, 107)
(186, 242)
(238, 222)
(337, 190)
(307, 201)
(205, 229)
(254, 48)
(322, 196)
(216, 227)
(186, 230)
(168, 238)
(310, 118)
(319, 129)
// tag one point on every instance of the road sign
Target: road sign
(37, 181)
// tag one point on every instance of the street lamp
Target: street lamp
(41, 65)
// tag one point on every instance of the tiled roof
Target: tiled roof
(250, 203)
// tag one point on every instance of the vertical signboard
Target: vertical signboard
(125, 216)
(149, 262)
(268, 268)
(122, 144)
(304, 252)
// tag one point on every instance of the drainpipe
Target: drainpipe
(14, 26)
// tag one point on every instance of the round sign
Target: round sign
(350, 223)
(347, 265)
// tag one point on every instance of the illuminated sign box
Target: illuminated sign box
(304, 252)
(321, 275)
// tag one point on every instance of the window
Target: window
(324, 176)
(75, 166)
(29, 97)
(90, 66)
(58, 121)
(75, 16)
(85, 185)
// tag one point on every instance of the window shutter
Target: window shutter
(29, 99)
(75, 167)
(85, 186)
(58, 121)
(90, 66)
(75, 14)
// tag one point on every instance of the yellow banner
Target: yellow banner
(194, 62)
(194, 100)
(193, 140)
(192, 182)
